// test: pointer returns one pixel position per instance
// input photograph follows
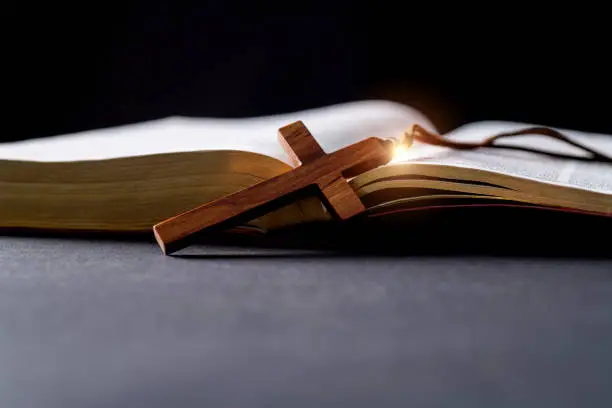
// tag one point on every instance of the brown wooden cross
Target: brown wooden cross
(313, 167)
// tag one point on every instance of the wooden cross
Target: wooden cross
(313, 168)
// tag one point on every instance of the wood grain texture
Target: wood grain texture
(299, 144)
(326, 171)
(341, 198)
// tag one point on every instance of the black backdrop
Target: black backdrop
(74, 67)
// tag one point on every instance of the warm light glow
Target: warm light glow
(401, 153)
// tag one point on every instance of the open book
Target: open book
(128, 178)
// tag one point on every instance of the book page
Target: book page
(333, 126)
(573, 173)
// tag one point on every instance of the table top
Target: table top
(103, 323)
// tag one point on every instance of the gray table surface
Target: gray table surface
(98, 323)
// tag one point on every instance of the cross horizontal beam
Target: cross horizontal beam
(316, 168)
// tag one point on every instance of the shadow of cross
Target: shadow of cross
(313, 167)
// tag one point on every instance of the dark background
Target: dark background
(73, 67)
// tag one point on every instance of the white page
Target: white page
(333, 126)
(574, 173)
